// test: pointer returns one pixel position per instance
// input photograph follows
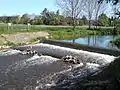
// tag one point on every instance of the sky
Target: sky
(19, 7)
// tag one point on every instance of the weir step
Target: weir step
(82, 47)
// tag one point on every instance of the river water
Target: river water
(97, 41)
(27, 72)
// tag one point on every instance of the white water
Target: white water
(71, 74)
(9, 52)
(38, 60)
(34, 60)
(93, 62)
(84, 56)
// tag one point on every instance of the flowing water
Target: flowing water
(27, 72)
(97, 41)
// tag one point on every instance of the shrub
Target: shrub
(116, 42)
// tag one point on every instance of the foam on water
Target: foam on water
(90, 62)
(72, 74)
(40, 59)
(88, 68)
(34, 60)
(84, 56)
(9, 52)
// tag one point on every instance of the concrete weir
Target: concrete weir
(60, 51)
(82, 47)
(42, 71)
(83, 56)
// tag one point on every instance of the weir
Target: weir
(82, 47)
(83, 56)
(45, 71)
(59, 51)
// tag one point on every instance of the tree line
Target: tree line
(54, 18)
(75, 13)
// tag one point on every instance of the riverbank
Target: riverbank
(4, 47)
(23, 38)
(20, 35)
(116, 42)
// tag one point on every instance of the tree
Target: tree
(89, 10)
(113, 1)
(85, 21)
(72, 8)
(24, 19)
(92, 9)
(46, 16)
(103, 19)
(16, 19)
(58, 12)
(44, 12)
(36, 21)
(62, 20)
(99, 9)
(52, 18)
(110, 21)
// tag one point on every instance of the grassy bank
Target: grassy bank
(56, 32)
(34, 28)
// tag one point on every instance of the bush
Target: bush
(10, 43)
(116, 42)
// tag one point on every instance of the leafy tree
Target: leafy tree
(36, 21)
(46, 16)
(110, 21)
(16, 19)
(51, 18)
(62, 20)
(24, 19)
(39, 21)
(103, 19)
(81, 22)
(69, 21)
(84, 20)
(58, 12)
(44, 13)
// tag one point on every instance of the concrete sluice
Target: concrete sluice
(26, 72)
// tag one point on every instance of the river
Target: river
(26, 72)
(97, 41)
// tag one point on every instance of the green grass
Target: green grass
(33, 28)
(57, 32)
(61, 35)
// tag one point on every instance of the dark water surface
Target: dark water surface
(26, 72)
(21, 72)
(97, 41)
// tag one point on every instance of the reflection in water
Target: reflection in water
(98, 41)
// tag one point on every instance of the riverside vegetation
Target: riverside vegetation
(55, 32)
(116, 42)
(49, 22)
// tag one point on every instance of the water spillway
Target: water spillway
(83, 56)
(36, 72)
(82, 47)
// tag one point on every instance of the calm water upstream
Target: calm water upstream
(98, 41)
